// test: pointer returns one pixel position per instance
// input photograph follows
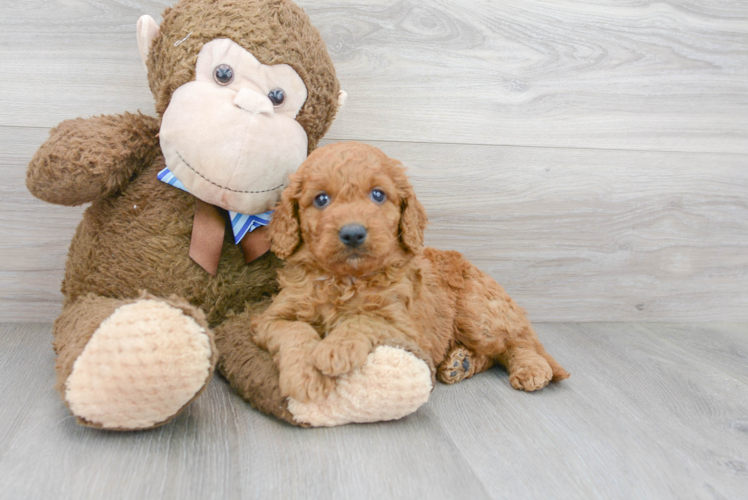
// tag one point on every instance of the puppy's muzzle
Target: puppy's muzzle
(352, 235)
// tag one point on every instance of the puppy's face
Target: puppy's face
(350, 218)
(352, 206)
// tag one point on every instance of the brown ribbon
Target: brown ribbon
(255, 244)
(208, 230)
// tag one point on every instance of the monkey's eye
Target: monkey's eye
(377, 196)
(277, 96)
(223, 74)
(321, 200)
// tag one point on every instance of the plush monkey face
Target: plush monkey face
(231, 135)
(245, 89)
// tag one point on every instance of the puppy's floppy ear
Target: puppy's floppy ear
(413, 217)
(284, 231)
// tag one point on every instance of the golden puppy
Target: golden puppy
(357, 275)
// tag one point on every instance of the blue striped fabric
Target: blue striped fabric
(241, 224)
(166, 176)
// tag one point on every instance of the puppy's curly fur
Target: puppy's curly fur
(339, 301)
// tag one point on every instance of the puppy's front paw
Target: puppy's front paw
(304, 383)
(337, 357)
(531, 376)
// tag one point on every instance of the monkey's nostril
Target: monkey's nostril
(352, 235)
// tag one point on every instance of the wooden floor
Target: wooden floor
(651, 411)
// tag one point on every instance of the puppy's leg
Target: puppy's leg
(347, 346)
(291, 344)
(491, 324)
(528, 371)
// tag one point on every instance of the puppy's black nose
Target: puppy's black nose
(352, 235)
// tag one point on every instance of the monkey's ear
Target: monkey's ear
(284, 231)
(413, 217)
(342, 97)
(147, 30)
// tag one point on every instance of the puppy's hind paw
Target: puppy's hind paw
(458, 366)
(531, 376)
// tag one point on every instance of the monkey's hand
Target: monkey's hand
(87, 159)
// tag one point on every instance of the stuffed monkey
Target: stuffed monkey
(170, 263)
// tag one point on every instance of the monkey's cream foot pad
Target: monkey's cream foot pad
(392, 384)
(143, 364)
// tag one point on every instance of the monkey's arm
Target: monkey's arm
(87, 159)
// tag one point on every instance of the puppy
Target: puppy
(357, 276)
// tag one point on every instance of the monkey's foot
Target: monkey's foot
(391, 384)
(140, 368)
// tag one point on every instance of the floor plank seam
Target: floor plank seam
(534, 146)
(462, 455)
(476, 144)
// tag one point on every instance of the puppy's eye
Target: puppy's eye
(223, 74)
(321, 200)
(277, 96)
(377, 196)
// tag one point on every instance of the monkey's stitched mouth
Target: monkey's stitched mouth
(281, 186)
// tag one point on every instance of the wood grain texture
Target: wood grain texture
(34, 238)
(635, 75)
(219, 448)
(588, 223)
(651, 411)
(593, 235)
(573, 235)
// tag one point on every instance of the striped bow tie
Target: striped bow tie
(209, 228)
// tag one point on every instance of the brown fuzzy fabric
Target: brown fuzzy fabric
(249, 369)
(140, 239)
(274, 31)
(87, 159)
(73, 329)
(338, 301)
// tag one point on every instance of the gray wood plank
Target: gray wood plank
(651, 411)
(35, 236)
(573, 235)
(592, 235)
(219, 448)
(664, 76)
(641, 417)
(412, 458)
(46, 455)
(59, 60)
